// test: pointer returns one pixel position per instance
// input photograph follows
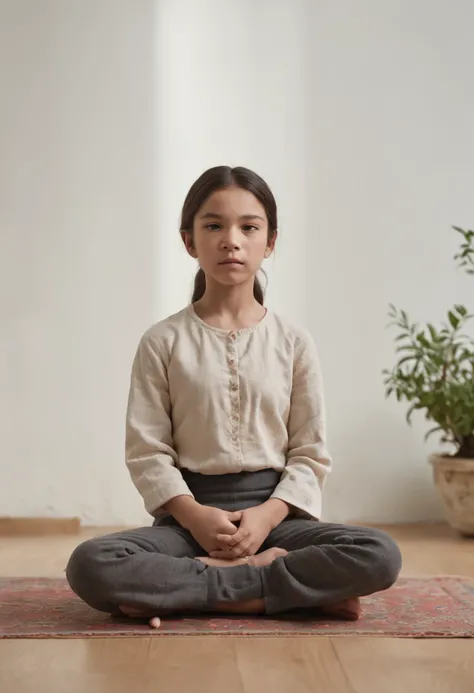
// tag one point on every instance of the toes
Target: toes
(277, 552)
(282, 552)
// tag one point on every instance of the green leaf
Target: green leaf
(422, 339)
(462, 310)
(453, 320)
(431, 431)
(410, 412)
(405, 359)
(407, 347)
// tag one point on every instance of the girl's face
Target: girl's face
(230, 236)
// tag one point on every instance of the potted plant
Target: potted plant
(435, 374)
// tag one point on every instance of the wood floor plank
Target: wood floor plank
(289, 664)
(122, 665)
(200, 665)
(395, 665)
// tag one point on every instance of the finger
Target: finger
(252, 550)
(226, 527)
(229, 529)
(233, 544)
(227, 539)
(226, 552)
(241, 549)
(235, 516)
(247, 548)
(232, 553)
(241, 534)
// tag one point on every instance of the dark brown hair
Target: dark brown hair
(218, 178)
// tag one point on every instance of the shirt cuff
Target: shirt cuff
(158, 497)
(307, 505)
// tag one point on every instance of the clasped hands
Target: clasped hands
(217, 532)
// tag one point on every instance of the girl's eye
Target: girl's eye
(248, 228)
(213, 227)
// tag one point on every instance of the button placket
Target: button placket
(232, 362)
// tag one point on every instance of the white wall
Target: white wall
(231, 90)
(76, 220)
(359, 116)
(392, 107)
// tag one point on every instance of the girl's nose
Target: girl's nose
(231, 241)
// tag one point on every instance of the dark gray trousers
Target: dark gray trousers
(155, 568)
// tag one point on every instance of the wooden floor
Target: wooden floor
(238, 665)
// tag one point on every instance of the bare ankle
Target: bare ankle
(251, 606)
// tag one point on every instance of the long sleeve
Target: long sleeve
(150, 457)
(308, 461)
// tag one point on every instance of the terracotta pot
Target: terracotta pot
(454, 480)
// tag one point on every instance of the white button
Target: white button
(231, 362)
(235, 387)
(232, 336)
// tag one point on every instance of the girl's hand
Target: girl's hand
(255, 526)
(212, 527)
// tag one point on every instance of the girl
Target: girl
(226, 443)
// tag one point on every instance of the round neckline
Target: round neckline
(220, 330)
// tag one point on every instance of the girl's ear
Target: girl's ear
(188, 242)
(270, 245)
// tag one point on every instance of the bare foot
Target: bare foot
(348, 609)
(259, 560)
(267, 557)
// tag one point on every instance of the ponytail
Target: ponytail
(200, 288)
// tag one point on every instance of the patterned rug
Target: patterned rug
(433, 607)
